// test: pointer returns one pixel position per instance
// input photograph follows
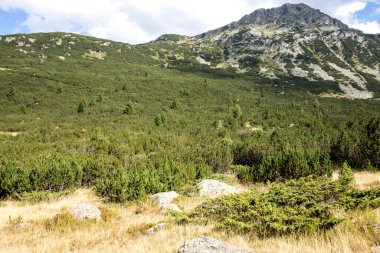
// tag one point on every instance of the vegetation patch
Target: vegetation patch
(296, 207)
(65, 221)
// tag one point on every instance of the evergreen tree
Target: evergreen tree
(80, 108)
(128, 108)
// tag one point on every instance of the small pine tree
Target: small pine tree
(316, 103)
(174, 105)
(157, 120)
(80, 108)
(128, 108)
(236, 112)
(346, 176)
(163, 119)
(11, 93)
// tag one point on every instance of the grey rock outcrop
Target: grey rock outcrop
(172, 207)
(155, 228)
(375, 249)
(208, 245)
(214, 188)
(291, 15)
(86, 212)
(23, 225)
(165, 197)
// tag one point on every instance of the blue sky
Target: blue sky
(370, 13)
(143, 20)
(11, 22)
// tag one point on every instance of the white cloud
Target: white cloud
(368, 27)
(143, 20)
(346, 14)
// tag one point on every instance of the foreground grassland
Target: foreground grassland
(123, 228)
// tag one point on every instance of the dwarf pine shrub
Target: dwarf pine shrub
(296, 207)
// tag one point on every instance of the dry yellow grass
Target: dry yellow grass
(124, 232)
(364, 179)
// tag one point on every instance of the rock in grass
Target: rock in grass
(172, 207)
(86, 212)
(165, 197)
(208, 245)
(214, 188)
(375, 249)
(23, 225)
(155, 228)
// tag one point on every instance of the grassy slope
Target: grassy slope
(124, 229)
(47, 94)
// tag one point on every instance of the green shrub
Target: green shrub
(129, 108)
(14, 179)
(296, 207)
(288, 163)
(135, 182)
(80, 108)
(98, 166)
(53, 173)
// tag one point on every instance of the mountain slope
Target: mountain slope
(293, 45)
(290, 41)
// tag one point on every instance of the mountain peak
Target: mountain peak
(291, 15)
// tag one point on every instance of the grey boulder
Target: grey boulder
(86, 212)
(214, 188)
(165, 197)
(208, 245)
(155, 228)
(172, 207)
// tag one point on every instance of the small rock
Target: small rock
(165, 197)
(375, 249)
(85, 211)
(155, 228)
(23, 225)
(172, 207)
(215, 188)
(208, 245)
(62, 58)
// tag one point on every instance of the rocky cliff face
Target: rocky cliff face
(288, 15)
(290, 41)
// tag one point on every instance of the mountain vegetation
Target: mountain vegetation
(283, 96)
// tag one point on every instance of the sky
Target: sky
(139, 21)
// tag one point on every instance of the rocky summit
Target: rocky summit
(295, 42)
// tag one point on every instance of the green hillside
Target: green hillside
(112, 108)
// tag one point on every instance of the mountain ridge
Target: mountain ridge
(292, 43)
(291, 40)
(285, 15)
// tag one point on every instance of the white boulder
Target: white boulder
(86, 212)
(172, 207)
(155, 228)
(165, 197)
(208, 245)
(214, 188)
